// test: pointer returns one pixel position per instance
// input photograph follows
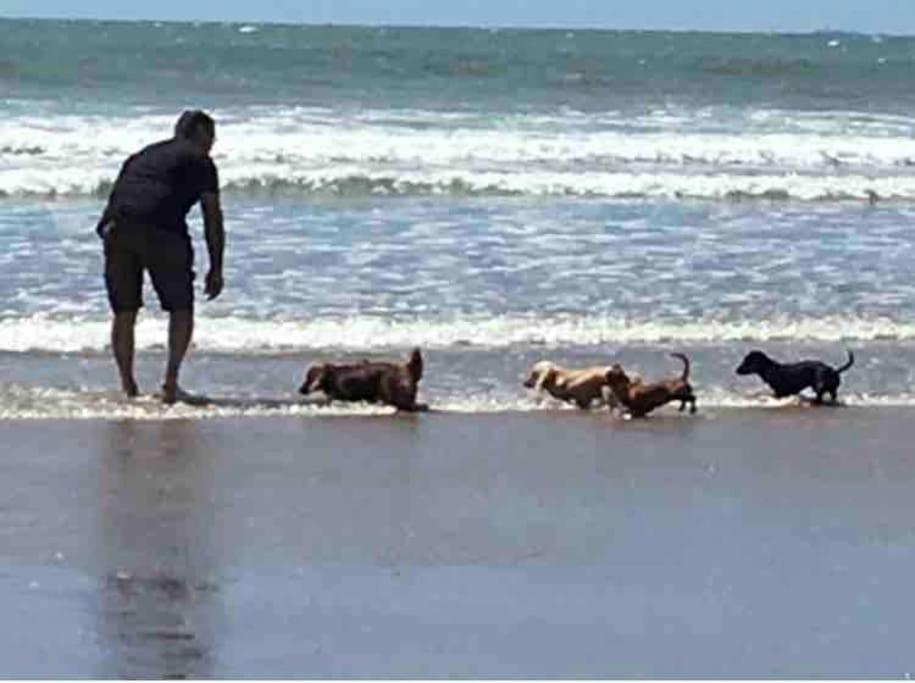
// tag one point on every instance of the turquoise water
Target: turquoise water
(496, 71)
(493, 196)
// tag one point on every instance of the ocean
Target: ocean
(491, 196)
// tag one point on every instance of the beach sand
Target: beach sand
(765, 543)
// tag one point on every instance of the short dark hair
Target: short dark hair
(190, 120)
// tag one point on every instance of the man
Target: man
(144, 228)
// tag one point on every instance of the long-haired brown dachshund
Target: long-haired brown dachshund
(390, 383)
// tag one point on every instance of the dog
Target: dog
(790, 379)
(639, 398)
(581, 387)
(388, 383)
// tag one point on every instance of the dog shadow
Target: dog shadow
(255, 402)
(248, 402)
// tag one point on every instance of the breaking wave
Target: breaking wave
(39, 333)
(719, 156)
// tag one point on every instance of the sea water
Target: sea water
(491, 196)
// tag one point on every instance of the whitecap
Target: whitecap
(40, 333)
(43, 403)
(664, 154)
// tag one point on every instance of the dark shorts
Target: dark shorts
(168, 256)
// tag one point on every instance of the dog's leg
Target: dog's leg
(608, 396)
(821, 386)
(406, 402)
(413, 408)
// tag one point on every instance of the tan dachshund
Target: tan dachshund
(582, 387)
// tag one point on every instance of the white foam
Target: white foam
(636, 183)
(834, 155)
(40, 333)
(38, 403)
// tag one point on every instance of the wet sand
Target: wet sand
(764, 543)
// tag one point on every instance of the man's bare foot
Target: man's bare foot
(130, 388)
(172, 393)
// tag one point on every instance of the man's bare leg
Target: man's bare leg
(180, 330)
(122, 344)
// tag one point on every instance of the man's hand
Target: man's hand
(216, 242)
(213, 284)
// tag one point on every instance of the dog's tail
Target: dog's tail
(851, 361)
(415, 365)
(685, 360)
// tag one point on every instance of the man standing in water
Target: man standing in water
(144, 228)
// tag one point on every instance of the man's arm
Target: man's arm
(216, 242)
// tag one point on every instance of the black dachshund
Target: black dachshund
(792, 378)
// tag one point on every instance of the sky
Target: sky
(866, 16)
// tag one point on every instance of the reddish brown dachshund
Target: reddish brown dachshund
(390, 383)
(640, 398)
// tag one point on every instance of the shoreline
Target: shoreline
(150, 409)
(557, 544)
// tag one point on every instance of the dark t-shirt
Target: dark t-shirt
(159, 184)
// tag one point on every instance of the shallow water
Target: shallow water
(492, 197)
(485, 288)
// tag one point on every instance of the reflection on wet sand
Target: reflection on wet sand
(154, 635)
(152, 540)
(557, 545)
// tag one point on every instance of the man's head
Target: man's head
(198, 128)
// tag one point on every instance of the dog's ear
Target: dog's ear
(615, 373)
(415, 365)
(533, 377)
(547, 379)
(314, 377)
